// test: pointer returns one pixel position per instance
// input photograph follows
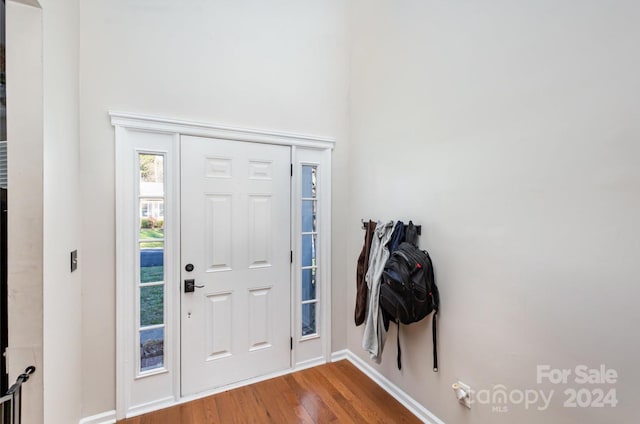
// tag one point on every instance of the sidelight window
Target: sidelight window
(150, 246)
(309, 252)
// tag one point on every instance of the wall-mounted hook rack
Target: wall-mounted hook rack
(365, 224)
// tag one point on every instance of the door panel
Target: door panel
(235, 217)
(218, 221)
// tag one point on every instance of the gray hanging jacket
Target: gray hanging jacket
(374, 333)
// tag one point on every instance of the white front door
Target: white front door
(235, 221)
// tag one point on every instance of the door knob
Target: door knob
(190, 286)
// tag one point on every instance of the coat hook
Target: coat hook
(365, 224)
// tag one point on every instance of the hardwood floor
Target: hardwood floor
(331, 393)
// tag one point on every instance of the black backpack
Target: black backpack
(408, 292)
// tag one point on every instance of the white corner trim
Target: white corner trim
(339, 355)
(400, 395)
(203, 129)
(108, 417)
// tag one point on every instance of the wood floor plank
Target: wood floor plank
(253, 411)
(280, 411)
(174, 414)
(198, 412)
(228, 408)
(392, 409)
(346, 396)
(186, 413)
(371, 395)
(313, 404)
(331, 393)
(355, 409)
(281, 386)
(314, 381)
(210, 410)
(352, 394)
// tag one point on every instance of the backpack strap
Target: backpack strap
(434, 326)
(399, 350)
(435, 341)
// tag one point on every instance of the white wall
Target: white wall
(62, 289)
(25, 198)
(509, 130)
(44, 301)
(280, 65)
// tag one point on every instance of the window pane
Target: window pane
(309, 174)
(151, 349)
(309, 250)
(151, 219)
(151, 262)
(153, 210)
(309, 319)
(151, 305)
(309, 216)
(309, 284)
(151, 175)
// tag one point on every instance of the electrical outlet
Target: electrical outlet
(463, 393)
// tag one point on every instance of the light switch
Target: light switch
(74, 260)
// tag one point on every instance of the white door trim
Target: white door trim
(128, 127)
(203, 129)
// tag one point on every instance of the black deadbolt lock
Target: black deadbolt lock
(190, 286)
(188, 267)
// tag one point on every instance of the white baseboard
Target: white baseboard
(108, 417)
(339, 355)
(400, 395)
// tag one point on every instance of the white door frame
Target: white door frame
(135, 393)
